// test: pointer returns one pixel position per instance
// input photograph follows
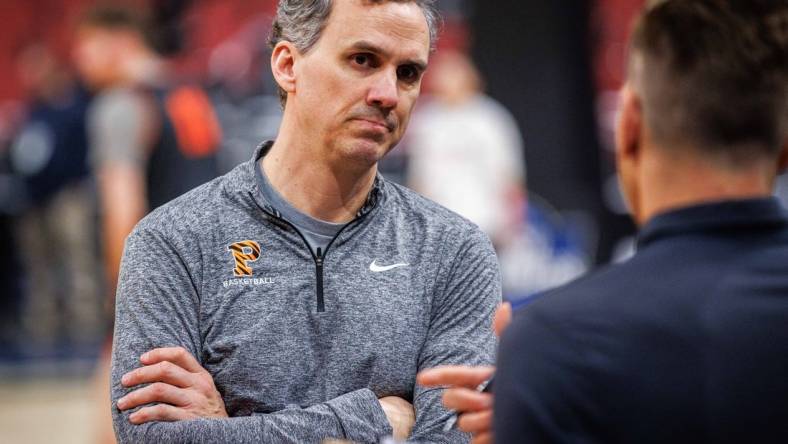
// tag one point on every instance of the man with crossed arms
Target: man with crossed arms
(295, 298)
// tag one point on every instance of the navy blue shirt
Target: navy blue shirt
(685, 342)
(58, 130)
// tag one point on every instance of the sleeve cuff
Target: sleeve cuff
(361, 416)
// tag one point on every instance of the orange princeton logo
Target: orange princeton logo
(243, 253)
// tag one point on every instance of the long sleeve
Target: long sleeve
(460, 330)
(158, 306)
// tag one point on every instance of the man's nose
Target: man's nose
(383, 92)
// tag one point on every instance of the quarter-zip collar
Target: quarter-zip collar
(374, 198)
(373, 201)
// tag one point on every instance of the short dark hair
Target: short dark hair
(302, 21)
(712, 73)
(117, 18)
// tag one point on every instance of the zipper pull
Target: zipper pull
(321, 304)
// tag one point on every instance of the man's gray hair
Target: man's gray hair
(302, 21)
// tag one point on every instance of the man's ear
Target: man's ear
(629, 149)
(283, 60)
(629, 133)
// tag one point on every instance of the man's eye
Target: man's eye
(361, 59)
(408, 73)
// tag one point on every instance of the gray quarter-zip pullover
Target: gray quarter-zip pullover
(301, 345)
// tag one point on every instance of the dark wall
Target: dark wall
(535, 56)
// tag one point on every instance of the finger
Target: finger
(165, 372)
(177, 355)
(455, 375)
(158, 412)
(502, 319)
(475, 422)
(466, 400)
(157, 392)
(482, 438)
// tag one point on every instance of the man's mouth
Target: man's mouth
(377, 123)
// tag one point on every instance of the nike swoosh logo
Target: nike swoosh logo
(375, 268)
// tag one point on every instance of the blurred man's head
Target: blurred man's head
(350, 72)
(453, 78)
(106, 42)
(706, 81)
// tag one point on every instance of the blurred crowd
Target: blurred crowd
(109, 128)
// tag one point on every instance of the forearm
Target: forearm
(355, 416)
(239, 430)
(432, 418)
(123, 204)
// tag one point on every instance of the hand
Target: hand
(474, 409)
(400, 414)
(179, 387)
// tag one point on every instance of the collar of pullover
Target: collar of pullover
(374, 198)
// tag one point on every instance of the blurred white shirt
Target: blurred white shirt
(467, 157)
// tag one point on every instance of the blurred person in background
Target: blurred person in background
(244, 92)
(465, 150)
(150, 139)
(295, 298)
(686, 341)
(56, 229)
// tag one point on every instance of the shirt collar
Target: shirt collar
(373, 198)
(745, 213)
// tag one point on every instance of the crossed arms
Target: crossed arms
(181, 402)
(179, 389)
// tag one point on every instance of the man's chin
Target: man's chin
(365, 151)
